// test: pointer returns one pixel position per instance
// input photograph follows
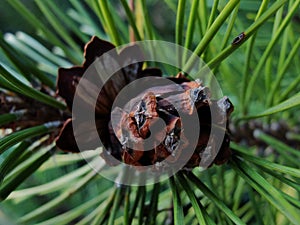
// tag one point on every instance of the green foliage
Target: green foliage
(260, 184)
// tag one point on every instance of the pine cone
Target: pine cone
(125, 130)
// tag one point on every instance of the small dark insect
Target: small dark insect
(238, 39)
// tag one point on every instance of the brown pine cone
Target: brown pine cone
(131, 133)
